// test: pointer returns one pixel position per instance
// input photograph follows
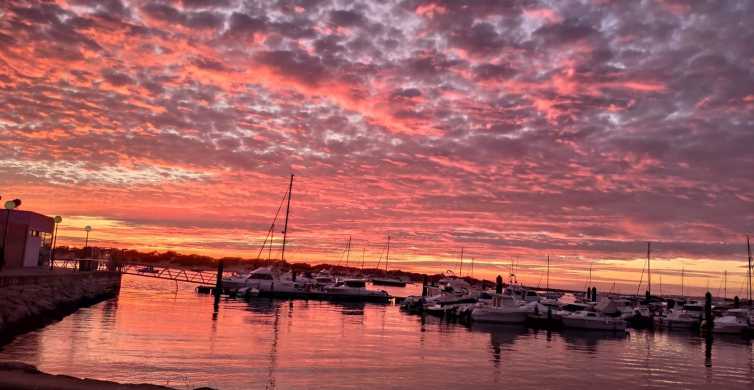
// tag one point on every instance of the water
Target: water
(157, 333)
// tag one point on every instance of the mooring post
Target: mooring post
(219, 281)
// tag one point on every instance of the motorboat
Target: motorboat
(593, 320)
(734, 321)
(269, 283)
(688, 316)
(605, 316)
(505, 309)
(355, 289)
(521, 293)
(544, 314)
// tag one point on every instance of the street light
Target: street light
(88, 229)
(58, 219)
(9, 205)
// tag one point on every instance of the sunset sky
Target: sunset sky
(516, 130)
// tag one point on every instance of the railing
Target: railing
(138, 269)
(85, 265)
(171, 273)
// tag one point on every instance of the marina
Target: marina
(158, 334)
(425, 194)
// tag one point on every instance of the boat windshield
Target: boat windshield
(355, 283)
(260, 276)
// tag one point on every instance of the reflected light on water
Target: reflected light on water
(155, 332)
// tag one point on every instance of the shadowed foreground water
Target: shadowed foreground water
(158, 333)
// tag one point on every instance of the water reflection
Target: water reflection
(502, 338)
(151, 334)
(588, 340)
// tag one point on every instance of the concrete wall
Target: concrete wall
(30, 301)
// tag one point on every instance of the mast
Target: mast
(472, 267)
(682, 275)
(387, 255)
(363, 256)
(748, 248)
(272, 237)
(287, 211)
(725, 284)
(590, 274)
(460, 266)
(348, 249)
(548, 272)
(649, 269)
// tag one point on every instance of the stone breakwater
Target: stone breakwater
(31, 301)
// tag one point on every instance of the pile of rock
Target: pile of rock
(27, 302)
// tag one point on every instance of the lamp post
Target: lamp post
(58, 219)
(87, 229)
(9, 205)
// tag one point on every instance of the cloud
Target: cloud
(510, 128)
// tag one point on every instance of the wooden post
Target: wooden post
(219, 280)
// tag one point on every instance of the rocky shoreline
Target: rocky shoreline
(28, 302)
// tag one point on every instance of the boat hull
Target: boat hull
(499, 316)
(594, 324)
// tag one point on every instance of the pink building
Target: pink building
(28, 240)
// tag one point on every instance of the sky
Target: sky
(515, 130)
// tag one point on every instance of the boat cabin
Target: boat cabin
(261, 274)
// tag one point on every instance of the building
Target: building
(28, 239)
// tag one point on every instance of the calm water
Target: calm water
(157, 333)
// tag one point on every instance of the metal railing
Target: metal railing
(139, 269)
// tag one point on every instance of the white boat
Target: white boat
(734, 321)
(505, 309)
(544, 311)
(686, 317)
(593, 320)
(267, 282)
(355, 289)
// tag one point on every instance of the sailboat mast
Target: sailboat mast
(548, 272)
(348, 250)
(287, 212)
(682, 276)
(649, 269)
(748, 248)
(272, 238)
(363, 256)
(725, 284)
(460, 266)
(387, 255)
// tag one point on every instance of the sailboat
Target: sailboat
(388, 281)
(269, 280)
